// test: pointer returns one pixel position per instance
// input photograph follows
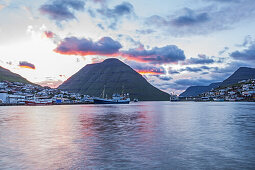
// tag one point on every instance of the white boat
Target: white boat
(218, 99)
(174, 98)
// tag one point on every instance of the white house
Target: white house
(3, 97)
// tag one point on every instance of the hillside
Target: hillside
(196, 90)
(243, 73)
(115, 76)
(7, 75)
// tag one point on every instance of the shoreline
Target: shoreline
(16, 104)
(88, 103)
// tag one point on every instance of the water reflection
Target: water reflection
(145, 135)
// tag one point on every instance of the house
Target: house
(3, 96)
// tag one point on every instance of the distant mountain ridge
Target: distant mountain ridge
(243, 73)
(196, 90)
(7, 75)
(115, 76)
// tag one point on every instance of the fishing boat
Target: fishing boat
(38, 101)
(116, 99)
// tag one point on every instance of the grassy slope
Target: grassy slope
(6, 75)
(113, 74)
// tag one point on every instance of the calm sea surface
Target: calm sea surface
(144, 135)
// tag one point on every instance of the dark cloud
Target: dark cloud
(128, 39)
(162, 55)
(192, 69)
(101, 26)
(202, 59)
(114, 15)
(165, 78)
(109, 47)
(74, 46)
(194, 82)
(245, 55)
(25, 64)
(173, 71)
(62, 10)
(248, 40)
(195, 69)
(221, 73)
(190, 17)
(205, 20)
(223, 51)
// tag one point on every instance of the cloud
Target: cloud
(114, 15)
(202, 59)
(195, 69)
(224, 1)
(145, 31)
(157, 55)
(49, 34)
(145, 69)
(50, 83)
(223, 51)
(248, 40)
(106, 46)
(1, 6)
(100, 1)
(190, 17)
(62, 10)
(171, 71)
(205, 20)
(194, 82)
(25, 64)
(245, 55)
(73, 46)
(165, 78)
(119, 10)
(192, 69)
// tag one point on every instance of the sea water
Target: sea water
(143, 135)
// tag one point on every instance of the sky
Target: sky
(174, 44)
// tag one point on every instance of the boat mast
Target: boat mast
(122, 92)
(103, 91)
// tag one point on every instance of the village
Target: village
(16, 93)
(242, 91)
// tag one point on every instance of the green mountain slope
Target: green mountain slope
(114, 75)
(7, 75)
(194, 91)
(243, 73)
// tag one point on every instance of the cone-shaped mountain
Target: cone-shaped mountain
(116, 77)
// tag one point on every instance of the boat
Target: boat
(38, 102)
(206, 99)
(135, 100)
(116, 99)
(174, 97)
(218, 99)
